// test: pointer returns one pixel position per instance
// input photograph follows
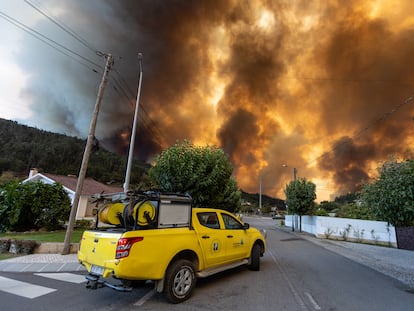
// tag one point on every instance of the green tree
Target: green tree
(329, 206)
(391, 194)
(203, 172)
(33, 205)
(300, 197)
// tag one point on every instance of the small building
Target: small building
(90, 187)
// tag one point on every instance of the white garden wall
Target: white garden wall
(363, 231)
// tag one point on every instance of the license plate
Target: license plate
(97, 270)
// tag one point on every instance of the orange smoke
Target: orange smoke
(314, 85)
(289, 84)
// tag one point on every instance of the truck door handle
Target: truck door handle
(205, 237)
(229, 236)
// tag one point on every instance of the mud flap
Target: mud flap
(159, 286)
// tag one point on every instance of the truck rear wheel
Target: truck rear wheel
(179, 281)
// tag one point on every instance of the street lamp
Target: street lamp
(295, 171)
(134, 129)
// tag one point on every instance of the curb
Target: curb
(55, 248)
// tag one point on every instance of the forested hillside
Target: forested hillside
(23, 148)
(267, 201)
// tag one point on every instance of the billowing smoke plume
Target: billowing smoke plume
(319, 86)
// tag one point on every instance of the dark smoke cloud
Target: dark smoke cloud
(316, 86)
(371, 63)
(346, 161)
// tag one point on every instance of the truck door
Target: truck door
(236, 239)
(211, 238)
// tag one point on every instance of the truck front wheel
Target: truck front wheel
(179, 281)
(255, 258)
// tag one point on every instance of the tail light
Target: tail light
(124, 246)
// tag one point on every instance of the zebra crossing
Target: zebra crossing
(31, 291)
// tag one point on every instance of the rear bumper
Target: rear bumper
(94, 282)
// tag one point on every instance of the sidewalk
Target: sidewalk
(42, 263)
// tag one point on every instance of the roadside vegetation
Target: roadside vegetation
(388, 197)
(300, 197)
(33, 206)
(14, 244)
(43, 237)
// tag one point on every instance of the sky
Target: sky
(323, 87)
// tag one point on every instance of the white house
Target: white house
(90, 187)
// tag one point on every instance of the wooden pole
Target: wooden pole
(86, 154)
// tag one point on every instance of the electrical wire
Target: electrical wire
(52, 43)
(358, 134)
(64, 27)
(68, 52)
(144, 121)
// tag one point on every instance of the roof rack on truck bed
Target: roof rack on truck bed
(143, 210)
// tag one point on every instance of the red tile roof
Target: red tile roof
(90, 186)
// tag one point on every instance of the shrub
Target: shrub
(25, 247)
(354, 211)
(33, 205)
(391, 195)
(84, 223)
(4, 245)
(321, 212)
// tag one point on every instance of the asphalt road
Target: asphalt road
(295, 275)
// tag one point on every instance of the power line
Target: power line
(358, 134)
(157, 136)
(129, 95)
(153, 130)
(349, 80)
(52, 43)
(65, 28)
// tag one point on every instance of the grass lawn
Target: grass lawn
(55, 236)
(6, 256)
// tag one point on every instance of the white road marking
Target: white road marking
(312, 301)
(67, 277)
(145, 298)
(23, 289)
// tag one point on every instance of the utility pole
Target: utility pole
(86, 154)
(134, 129)
(260, 193)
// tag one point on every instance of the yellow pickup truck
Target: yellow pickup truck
(162, 238)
